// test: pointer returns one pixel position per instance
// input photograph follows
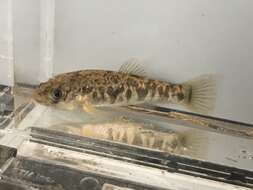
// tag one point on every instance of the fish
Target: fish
(127, 131)
(90, 89)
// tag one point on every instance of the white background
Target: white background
(176, 39)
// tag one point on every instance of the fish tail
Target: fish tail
(200, 94)
(194, 144)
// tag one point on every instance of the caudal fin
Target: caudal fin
(194, 144)
(201, 94)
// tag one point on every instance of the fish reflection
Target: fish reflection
(130, 132)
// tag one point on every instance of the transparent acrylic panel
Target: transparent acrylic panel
(170, 132)
(6, 64)
(176, 41)
(6, 44)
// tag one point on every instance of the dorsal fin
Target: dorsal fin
(134, 67)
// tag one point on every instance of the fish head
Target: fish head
(48, 93)
(54, 93)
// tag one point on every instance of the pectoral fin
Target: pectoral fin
(93, 111)
(88, 108)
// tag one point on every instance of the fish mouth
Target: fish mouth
(37, 98)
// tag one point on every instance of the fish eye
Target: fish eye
(56, 94)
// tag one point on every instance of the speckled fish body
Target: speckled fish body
(107, 88)
(129, 86)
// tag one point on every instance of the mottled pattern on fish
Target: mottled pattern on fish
(99, 87)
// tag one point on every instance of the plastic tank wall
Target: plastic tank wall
(176, 40)
(6, 43)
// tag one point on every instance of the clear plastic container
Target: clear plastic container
(135, 146)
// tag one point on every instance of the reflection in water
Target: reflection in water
(130, 132)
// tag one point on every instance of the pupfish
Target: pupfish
(123, 130)
(88, 89)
